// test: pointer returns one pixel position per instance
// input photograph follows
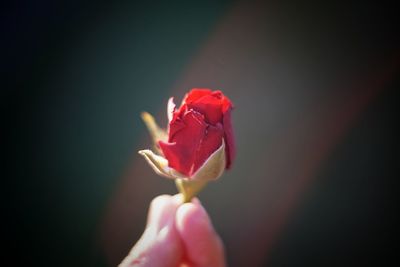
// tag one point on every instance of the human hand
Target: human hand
(177, 234)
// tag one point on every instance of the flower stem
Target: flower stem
(189, 189)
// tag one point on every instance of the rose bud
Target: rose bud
(199, 144)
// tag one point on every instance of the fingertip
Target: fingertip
(197, 201)
(162, 211)
(161, 198)
(178, 198)
(203, 245)
(191, 216)
(159, 201)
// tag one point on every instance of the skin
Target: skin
(177, 235)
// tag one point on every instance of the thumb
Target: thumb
(160, 244)
(203, 245)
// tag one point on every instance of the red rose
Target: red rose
(197, 129)
(199, 144)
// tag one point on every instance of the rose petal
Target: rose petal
(229, 138)
(226, 104)
(211, 141)
(210, 106)
(180, 149)
(195, 94)
(174, 128)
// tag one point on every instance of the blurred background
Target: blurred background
(314, 87)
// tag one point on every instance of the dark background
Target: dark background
(315, 88)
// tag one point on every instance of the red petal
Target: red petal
(210, 106)
(195, 94)
(226, 104)
(210, 143)
(180, 151)
(230, 148)
(175, 126)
